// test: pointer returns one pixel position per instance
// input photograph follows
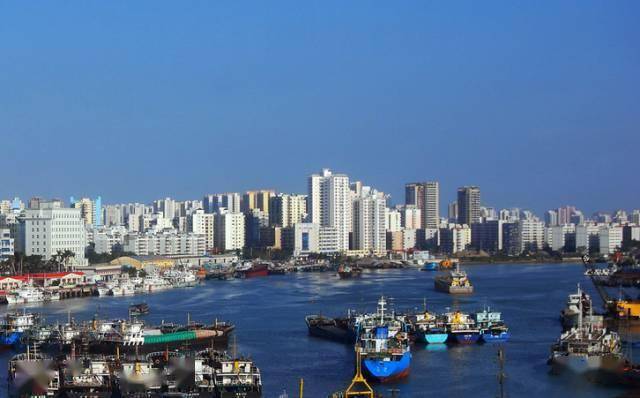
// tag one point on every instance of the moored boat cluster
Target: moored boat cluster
(104, 358)
(383, 339)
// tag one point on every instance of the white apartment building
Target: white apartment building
(455, 238)
(330, 204)
(203, 224)
(411, 217)
(587, 236)
(610, 238)
(6, 244)
(393, 220)
(51, 228)
(531, 234)
(369, 227)
(287, 210)
(229, 230)
(165, 243)
(328, 241)
(106, 238)
(556, 235)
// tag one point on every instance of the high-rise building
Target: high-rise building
(425, 196)
(393, 220)
(287, 210)
(330, 205)
(369, 212)
(229, 230)
(257, 200)
(587, 237)
(51, 228)
(455, 238)
(564, 214)
(452, 213)
(551, 218)
(635, 217)
(487, 236)
(411, 216)
(203, 224)
(214, 202)
(610, 239)
(468, 205)
(87, 209)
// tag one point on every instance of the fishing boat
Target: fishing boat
(32, 374)
(337, 329)
(139, 309)
(587, 349)
(135, 337)
(14, 326)
(430, 328)
(26, 294)
(454, 282)
(251, 270)
(348, 271)
(235, 377)
(384, 345)
(492, 327)
(462, 328)
(430, 266)
(88, 376)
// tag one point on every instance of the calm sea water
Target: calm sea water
(269, 314)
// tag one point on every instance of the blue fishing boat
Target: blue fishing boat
(496, 334)
(10, 340)
(430, 328)
(493, 328)
(462, 328)
(430, 266)
(12, 327)
(383, 343)
(436, 336)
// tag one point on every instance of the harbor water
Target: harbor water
(269, 313)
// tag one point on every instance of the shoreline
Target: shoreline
(568, 261)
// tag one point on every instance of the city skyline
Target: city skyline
(213, 99)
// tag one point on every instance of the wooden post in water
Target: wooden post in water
(301, 388)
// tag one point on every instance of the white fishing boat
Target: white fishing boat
(26, 294)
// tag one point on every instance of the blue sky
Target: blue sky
(536, 102)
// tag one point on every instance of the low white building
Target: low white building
(306, 238)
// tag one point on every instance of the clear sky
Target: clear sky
(535, 102)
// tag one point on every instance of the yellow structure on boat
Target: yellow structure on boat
(628, 308)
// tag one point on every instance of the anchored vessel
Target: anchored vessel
(462, 328)
(347, 271)
(139, 309)
(338, 329)
(492, 327)
(206, 373)
(587, 349)
(454, 282)
(384, 345)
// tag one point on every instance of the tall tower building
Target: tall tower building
(369, 226)
(468, 205)
(87, 209)
(330, 204)
(426, 197)
(287, 210)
